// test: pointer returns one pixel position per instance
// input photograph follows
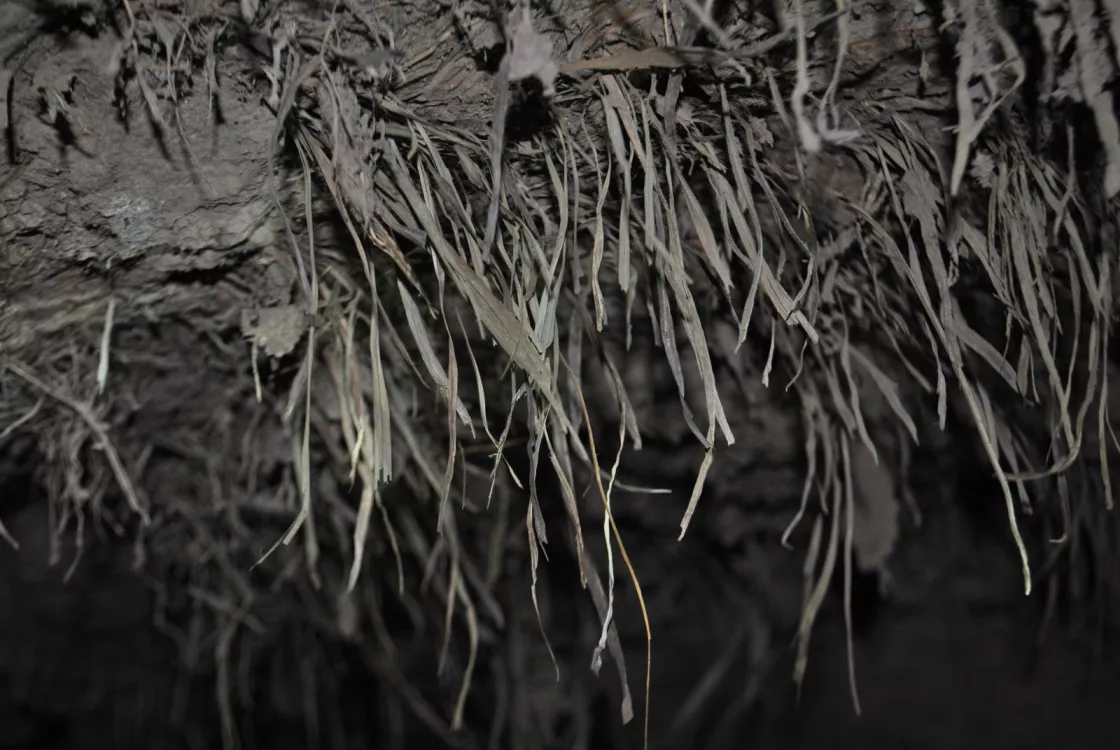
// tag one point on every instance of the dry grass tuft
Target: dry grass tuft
(874, 256)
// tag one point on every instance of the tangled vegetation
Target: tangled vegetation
(322, 373)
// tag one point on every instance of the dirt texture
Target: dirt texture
(369, 371)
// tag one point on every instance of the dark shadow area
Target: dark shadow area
(942, 651)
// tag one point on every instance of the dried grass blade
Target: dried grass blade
(361, 534)
(534, 563)
(499, 321)
(614, 644)
(472, 656)
(382, 458)
(672, 355)
(706, 236)
(452, 430)
(697, 490)
(618, 146)
(597, 655)
(428, 354)
(597, 246)
(1027, 286)
(561, 464)
(809, 408)
(849, 536)
(819, 590)
(889, 388)
(970, 397)
(621, 548)
(675, 275)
